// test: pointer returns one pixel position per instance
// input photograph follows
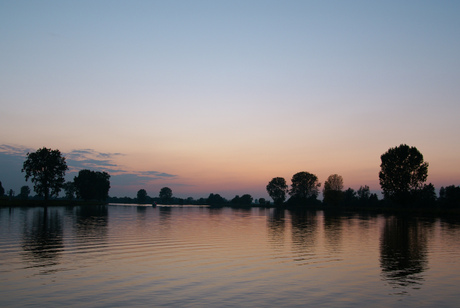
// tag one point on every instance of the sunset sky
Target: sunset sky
(222, 96)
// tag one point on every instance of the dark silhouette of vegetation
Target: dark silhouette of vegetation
(216, 200)
(46, 168)
(165, 195)
(449, 196)
(70, 190)
(2, 190)
(304, 188)
(277, 190)
(142, 196)
(402, 174)
(24, 194)
(332, 192)
(92, 185)
(244, 200)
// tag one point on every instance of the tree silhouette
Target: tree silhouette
(402, 173)
(69, 188)
(304, 185)
(142, 196)
(277, 189)
(165, 195)
(2, 190)
(92, 185)
(24, 194)
(332, 191)
(46, 168)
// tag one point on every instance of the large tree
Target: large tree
(304, 185)
(332, 191)
(46, 168)
(402, 173)
(277, 189)
(92, 185)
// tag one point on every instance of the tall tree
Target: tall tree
(277, 190)
(304, 185)
(46, 168)
(2, 190)
(92, 185)
(403, 172)
(165, 195)
(332, 191)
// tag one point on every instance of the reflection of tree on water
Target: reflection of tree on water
(276, 226)
(91, 222)
(403, 248)
(333, 232)
(304, 234)
(42, 238)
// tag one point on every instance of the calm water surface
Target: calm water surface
(117, 255)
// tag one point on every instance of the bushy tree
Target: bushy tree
(215, 199)
(92, 185)
(245, 200)
(332, 191)
(142, 196)
(165, 195)
(46, 168)
(403, 172)
(277, 190)
(304, 185)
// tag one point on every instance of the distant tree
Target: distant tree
(364, 193)
(142, 196)
(2, 190)
(69, 188)
(46, 168)
(332, 191)
(426, 196)
(277, 190)
(24, 194)
(304, 186)
(92, 185)
(165, 195)
(262, 201)
(215, 199)
(450, 196)
(402, 173)
(245, 200)
(349, 196)
(11, 194)
(235, 200)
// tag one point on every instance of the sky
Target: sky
(222, 96)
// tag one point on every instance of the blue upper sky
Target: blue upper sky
(225, 95)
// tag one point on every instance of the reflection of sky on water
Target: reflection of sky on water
(297, 255)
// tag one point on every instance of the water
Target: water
(108, 256)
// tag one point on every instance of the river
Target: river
(190, 256)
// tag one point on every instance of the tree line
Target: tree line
(402, 177)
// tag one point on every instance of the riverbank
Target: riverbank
(42, 203)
